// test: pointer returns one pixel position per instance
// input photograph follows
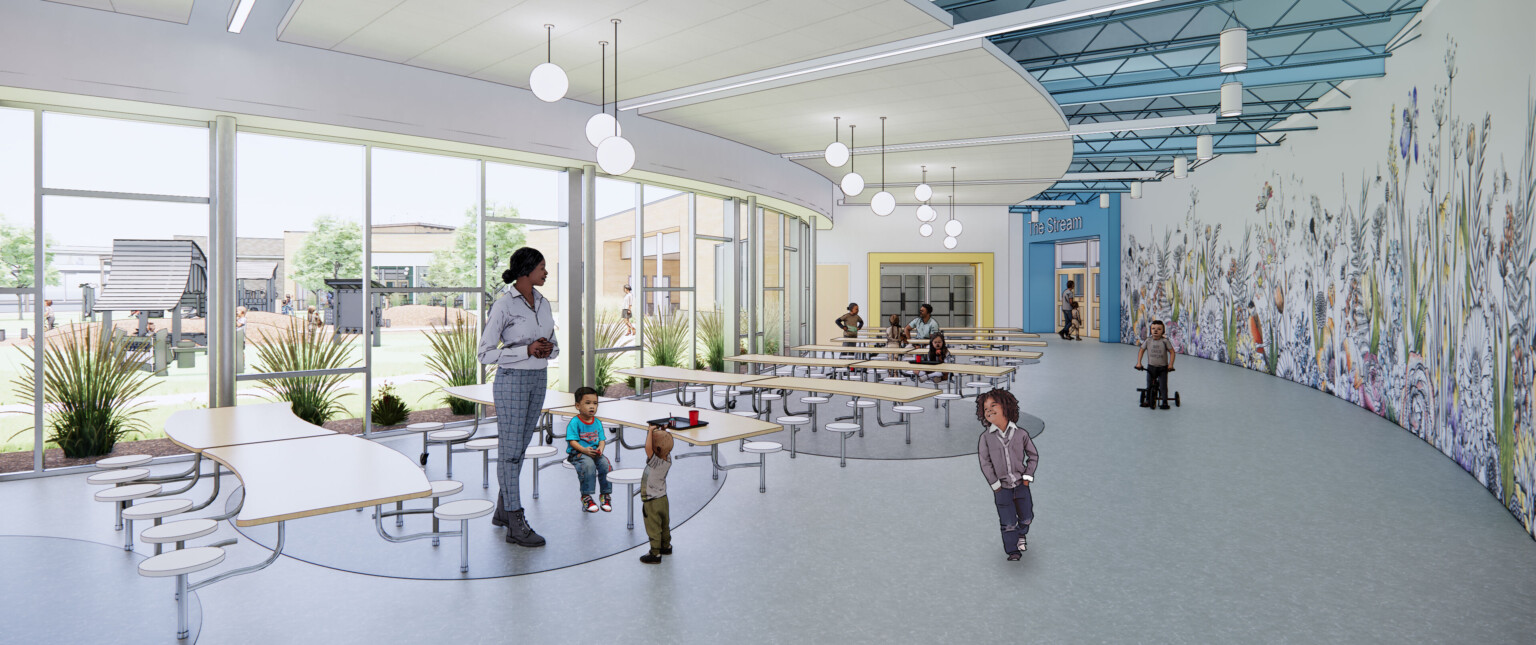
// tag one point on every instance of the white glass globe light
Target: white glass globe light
(952, 228)
(601, 126)
(548, 82)
(925, 230)
(925, 213)
(615, 155)
(883, 203)
(923, 192)
(951, 242)
(852, 184)
(837, 154)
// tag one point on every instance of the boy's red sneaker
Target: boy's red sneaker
(607, 502)
(587, 504)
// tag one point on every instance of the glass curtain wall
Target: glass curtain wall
(431, 231)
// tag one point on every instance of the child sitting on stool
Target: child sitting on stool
(653, 494)
(1159, 353)
(585, 439)
(1008, 461)
(938, 352)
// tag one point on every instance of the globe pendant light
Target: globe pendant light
(923, 192)
(1232, 99)
(852, 183)
(548, 81)
(883, 203)
(925, 230)
(837, 153)
(925, 213)
(601, 126)
(951, 242)
(1205, 147)
(952, 228)
(1234, 50)
(615, 155)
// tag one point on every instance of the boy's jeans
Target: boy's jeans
(1015, 510)
(1157, 382)
(590, 471)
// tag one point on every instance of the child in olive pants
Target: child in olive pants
(653, 494)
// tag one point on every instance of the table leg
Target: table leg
(631, 500)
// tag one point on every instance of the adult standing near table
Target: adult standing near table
(924, 326)
(1066, 311)
(519, 339)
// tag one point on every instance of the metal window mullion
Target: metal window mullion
(692, 255)
(589, 244)
(141, 197)
(712, 238)
(517, 220)
(267, 376)
(222, 278)
(482, 306)
(367, 291)
(729, 310)
(637, 270)
(754, 271)
(38, 384)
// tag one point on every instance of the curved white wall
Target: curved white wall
(60, 48)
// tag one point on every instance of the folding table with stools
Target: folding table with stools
(865, 395)
(994, 354)
(685, 377)
(484, 395)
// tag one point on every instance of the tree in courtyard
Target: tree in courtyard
(17, 270)
(333, 250)
(455, 265)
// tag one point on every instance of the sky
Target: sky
(283, 183)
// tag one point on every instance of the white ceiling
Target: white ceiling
(664, 44)
(170, 10)
(1006, 195)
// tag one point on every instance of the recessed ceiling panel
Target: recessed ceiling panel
(663, 44)
(168, 10)
(962, 95)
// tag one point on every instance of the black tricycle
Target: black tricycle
(1148, 395)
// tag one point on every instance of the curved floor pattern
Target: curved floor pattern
(86, 592)
(349, 540)
(930, 439)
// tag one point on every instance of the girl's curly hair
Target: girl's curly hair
(1003, 398)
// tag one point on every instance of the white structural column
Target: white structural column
(572, 277)
(38, 268)
(589, 278)
(637, 273)
(688, 249)
(731, 308)
(221, 264)
(754, 282)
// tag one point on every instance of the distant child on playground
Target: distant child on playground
(1159, 354)
(653, 494)
(585, 442)
(1008, 461)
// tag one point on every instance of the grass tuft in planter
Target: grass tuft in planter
(89, 390)
(316, 398)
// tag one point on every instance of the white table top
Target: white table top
(699, 377)
(287, 480)
(994, 353)
(199, 430)
(881, 391)
(722, 426)
(853, 350)
(947, 368)
(799, 361)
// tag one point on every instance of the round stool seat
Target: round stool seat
(464, 509)
(179, 531)
(696, 388)
(978, 384)
(785, 371)
(815, 400)
(745, 413)
(124, 493)
(448, 435)
(907, 409)
(792, 421)
(156, 509)
(947, 396)
(764, 447)
(862, 403)
(488, 443)
(771, 396)
(446, 487)
(175, 563)
(539, 452)
(625, 475)
(566, 464)
(428, 426)
(1013, 361)
(124, 461)
(842, 427)
(118, 476)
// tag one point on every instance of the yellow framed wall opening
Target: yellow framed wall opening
(977, 296)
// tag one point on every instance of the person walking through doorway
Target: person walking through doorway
(1066, 311)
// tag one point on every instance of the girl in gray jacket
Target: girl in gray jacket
(1008, 461)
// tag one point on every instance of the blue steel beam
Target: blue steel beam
(1147, 145)
(1098, 21)
(1174, 152)
(1312, 72)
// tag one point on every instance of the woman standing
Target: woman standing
(519, 338)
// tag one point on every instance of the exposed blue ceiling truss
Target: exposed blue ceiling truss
(1161, 60)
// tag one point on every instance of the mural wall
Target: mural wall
(1389, 265)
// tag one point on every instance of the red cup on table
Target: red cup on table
(693, 417)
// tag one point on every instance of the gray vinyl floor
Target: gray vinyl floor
(1260, 511)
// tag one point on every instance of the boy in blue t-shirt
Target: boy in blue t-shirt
(585, 439)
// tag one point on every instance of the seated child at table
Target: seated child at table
(585, 439)
(938, 352)
(653, 494)
(896, 336)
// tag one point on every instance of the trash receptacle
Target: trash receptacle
(185, 357)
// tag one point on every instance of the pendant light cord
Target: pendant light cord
(850, 147)
(837, 135)
(615, 77)
(951, 192)
(604, 74)
(549, 47)
(882, 154)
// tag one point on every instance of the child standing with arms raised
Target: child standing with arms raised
(585, 442)
(653, 494)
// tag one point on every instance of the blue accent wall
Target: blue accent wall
(1079, 222)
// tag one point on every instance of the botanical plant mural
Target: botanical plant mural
(1406, 291)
